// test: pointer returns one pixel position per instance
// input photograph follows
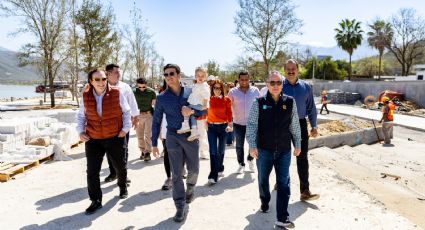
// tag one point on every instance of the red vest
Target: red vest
(390, 114)
(110, 124)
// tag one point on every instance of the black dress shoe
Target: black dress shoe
(147, 157)
(95, 205)
(123, 193)
(181, 214)
(189, 194)
(110, 178)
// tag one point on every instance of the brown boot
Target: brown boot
(306, 196)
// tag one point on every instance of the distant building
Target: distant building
(420, 71)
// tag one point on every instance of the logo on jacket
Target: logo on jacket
(267, 107)
(284, 107)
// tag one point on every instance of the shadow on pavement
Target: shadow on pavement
(72, 196)
(143, 198)
(76, 221)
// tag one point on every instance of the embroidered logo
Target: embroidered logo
(284, 107)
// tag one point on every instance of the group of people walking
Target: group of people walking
(184, 118)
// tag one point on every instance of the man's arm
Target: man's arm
(311, 111)
(81, 122)
(156, 122)
(126, 115)
(252, 128)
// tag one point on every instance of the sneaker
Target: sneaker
(185, 127)
(142, 156)
(147, 157)
(94, 206)
(193, 135)
(220, 174)
(284, 224)
(306, 195)
(211, 181)
(168, 184)
(264, 208)
(240, 169)
(189, 194)
(181, 214)
(110, 178)
(251, 166)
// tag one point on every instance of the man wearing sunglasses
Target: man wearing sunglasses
(173, 103)
(302, 92)
(113, 74)
(145, 97)
(272, 124)
(103, 121)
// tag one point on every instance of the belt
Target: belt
(145, 112)
(217, 123)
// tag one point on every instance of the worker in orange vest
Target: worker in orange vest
(387, 119)
(324, 101)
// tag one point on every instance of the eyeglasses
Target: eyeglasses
(217, 88)
(99, 79)
(169, 74)
(273, 83)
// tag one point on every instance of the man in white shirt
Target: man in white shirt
(113, 74)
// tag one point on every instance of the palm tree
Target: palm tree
(348, 37)
(379, 35)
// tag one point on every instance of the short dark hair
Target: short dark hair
(90, 74)
(175, 66)
(292, 61)
(111, 67)
(141, 80)
(243, 73)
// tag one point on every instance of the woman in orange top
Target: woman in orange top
(219, 121)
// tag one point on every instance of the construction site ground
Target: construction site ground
(354, 193)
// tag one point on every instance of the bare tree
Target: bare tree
(45, 20)
(139, 41)
(407, 43)
(264, 26)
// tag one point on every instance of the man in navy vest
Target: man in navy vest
(272, 124)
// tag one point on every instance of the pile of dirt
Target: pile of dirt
(341, 126)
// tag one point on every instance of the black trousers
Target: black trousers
(111, 167)
(115, 148)
(325, 105)
(166, 159)
(302, 159)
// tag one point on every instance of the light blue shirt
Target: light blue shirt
(125, 108)
(242, 102)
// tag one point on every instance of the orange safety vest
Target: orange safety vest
(390, 114)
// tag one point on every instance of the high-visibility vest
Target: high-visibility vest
(390, 114)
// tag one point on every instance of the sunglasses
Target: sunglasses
(169, 74)
(99, 79)
(273, 83)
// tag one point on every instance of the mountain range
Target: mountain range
(11, 73)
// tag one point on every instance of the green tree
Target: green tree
(379, 35)
(348, 37)
(97, 23)
(325, 69)
(213, 68)
(264, 26)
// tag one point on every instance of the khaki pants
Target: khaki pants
(387, 129)
(144, 132)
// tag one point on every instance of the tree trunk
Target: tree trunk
(349, 70)
(379, 67)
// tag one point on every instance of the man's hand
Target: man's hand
(84, 137)
(122, 134)
(155, 152)
(313, 132)
(254, 153)
(134, 122)
(297, 152)
(186, 111)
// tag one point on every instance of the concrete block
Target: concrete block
(364, 136)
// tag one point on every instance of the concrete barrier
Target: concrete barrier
(364, 136)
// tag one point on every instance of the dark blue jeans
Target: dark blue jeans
(281, 161)
(240, 131)
(216, 141)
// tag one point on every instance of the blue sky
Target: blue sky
(191, 32)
